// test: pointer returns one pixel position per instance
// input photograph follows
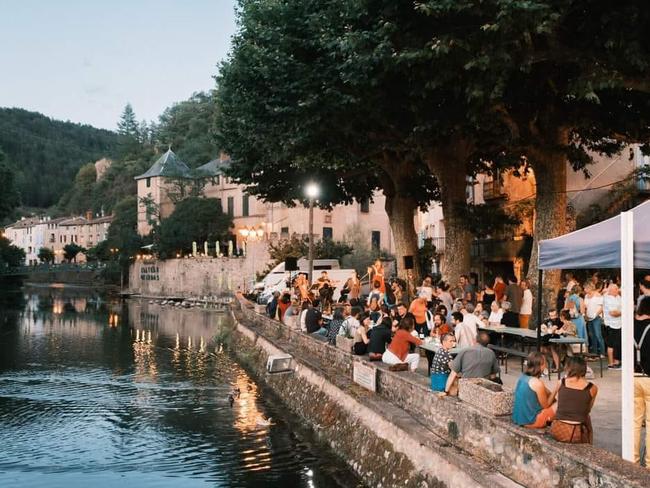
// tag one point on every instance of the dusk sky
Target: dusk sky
(83, 60)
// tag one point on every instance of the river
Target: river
(99, 393)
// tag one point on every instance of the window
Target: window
(244, 206)
(364, 206)
(231, 206)
(148, 182)
(284, 231)
(328, 233)
(375, 240)
(328, 218)
(217, 179)
(219, 204)
(52, 238)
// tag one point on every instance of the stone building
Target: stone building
(33, 233)
(169, 176)
(508, 252)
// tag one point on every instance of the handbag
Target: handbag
(571, 433)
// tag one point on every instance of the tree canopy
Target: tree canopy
(10, 255)
(47, 153)
(328, 89)
(289, 114)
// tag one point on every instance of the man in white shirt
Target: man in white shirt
(464, 332)
(470, 319)
(612, 319)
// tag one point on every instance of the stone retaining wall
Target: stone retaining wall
(197, 276)
(385, 447)
(530, 458)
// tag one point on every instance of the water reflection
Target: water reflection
(96, 393)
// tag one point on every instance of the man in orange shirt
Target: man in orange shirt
(419, 310)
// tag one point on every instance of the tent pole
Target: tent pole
(540, 286)
(627, 334)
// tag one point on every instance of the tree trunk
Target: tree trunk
(401, 211)
(550, 215)
(456, 258)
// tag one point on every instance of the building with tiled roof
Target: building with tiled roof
(267, 220)
(33, 233)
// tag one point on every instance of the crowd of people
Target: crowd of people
(456, 320)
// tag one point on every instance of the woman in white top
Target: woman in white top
(526, 304)
(496, 314)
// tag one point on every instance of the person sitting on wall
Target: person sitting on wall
(441, 363)
(314, 321)
(397, 354)
(534, 405)
(361, 338)
(379, 336)
(473, 362)
(575, 398)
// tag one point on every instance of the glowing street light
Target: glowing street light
(312, 190)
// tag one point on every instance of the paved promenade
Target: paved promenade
(606, 414)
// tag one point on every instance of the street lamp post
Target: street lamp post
(311, 191)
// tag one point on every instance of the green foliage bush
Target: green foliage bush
(193, 220)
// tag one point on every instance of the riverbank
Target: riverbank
(405, 435)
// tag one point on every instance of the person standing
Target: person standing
(612, 318)
(376, 275)
(526, 309)
(499, 288)
(419, 310)
(514, 295)
(642, 379)
(593, 314)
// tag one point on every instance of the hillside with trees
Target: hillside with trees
(185, 127)
(45, 154)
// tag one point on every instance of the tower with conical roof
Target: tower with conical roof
(153, 189)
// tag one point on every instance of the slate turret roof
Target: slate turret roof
(167, 165)
(213, 168)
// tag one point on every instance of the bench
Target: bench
(503, 353)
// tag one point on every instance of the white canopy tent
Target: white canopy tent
(620, 242)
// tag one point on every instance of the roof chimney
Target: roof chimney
(89, 214)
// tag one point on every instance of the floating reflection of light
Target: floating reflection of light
(202, 345)
(113, 319)
(248, 418)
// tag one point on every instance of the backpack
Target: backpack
(637, 350)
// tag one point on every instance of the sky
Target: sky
(84, 60)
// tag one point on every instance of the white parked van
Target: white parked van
(277, 278)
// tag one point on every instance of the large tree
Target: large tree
(567, 78)
(289, 112)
